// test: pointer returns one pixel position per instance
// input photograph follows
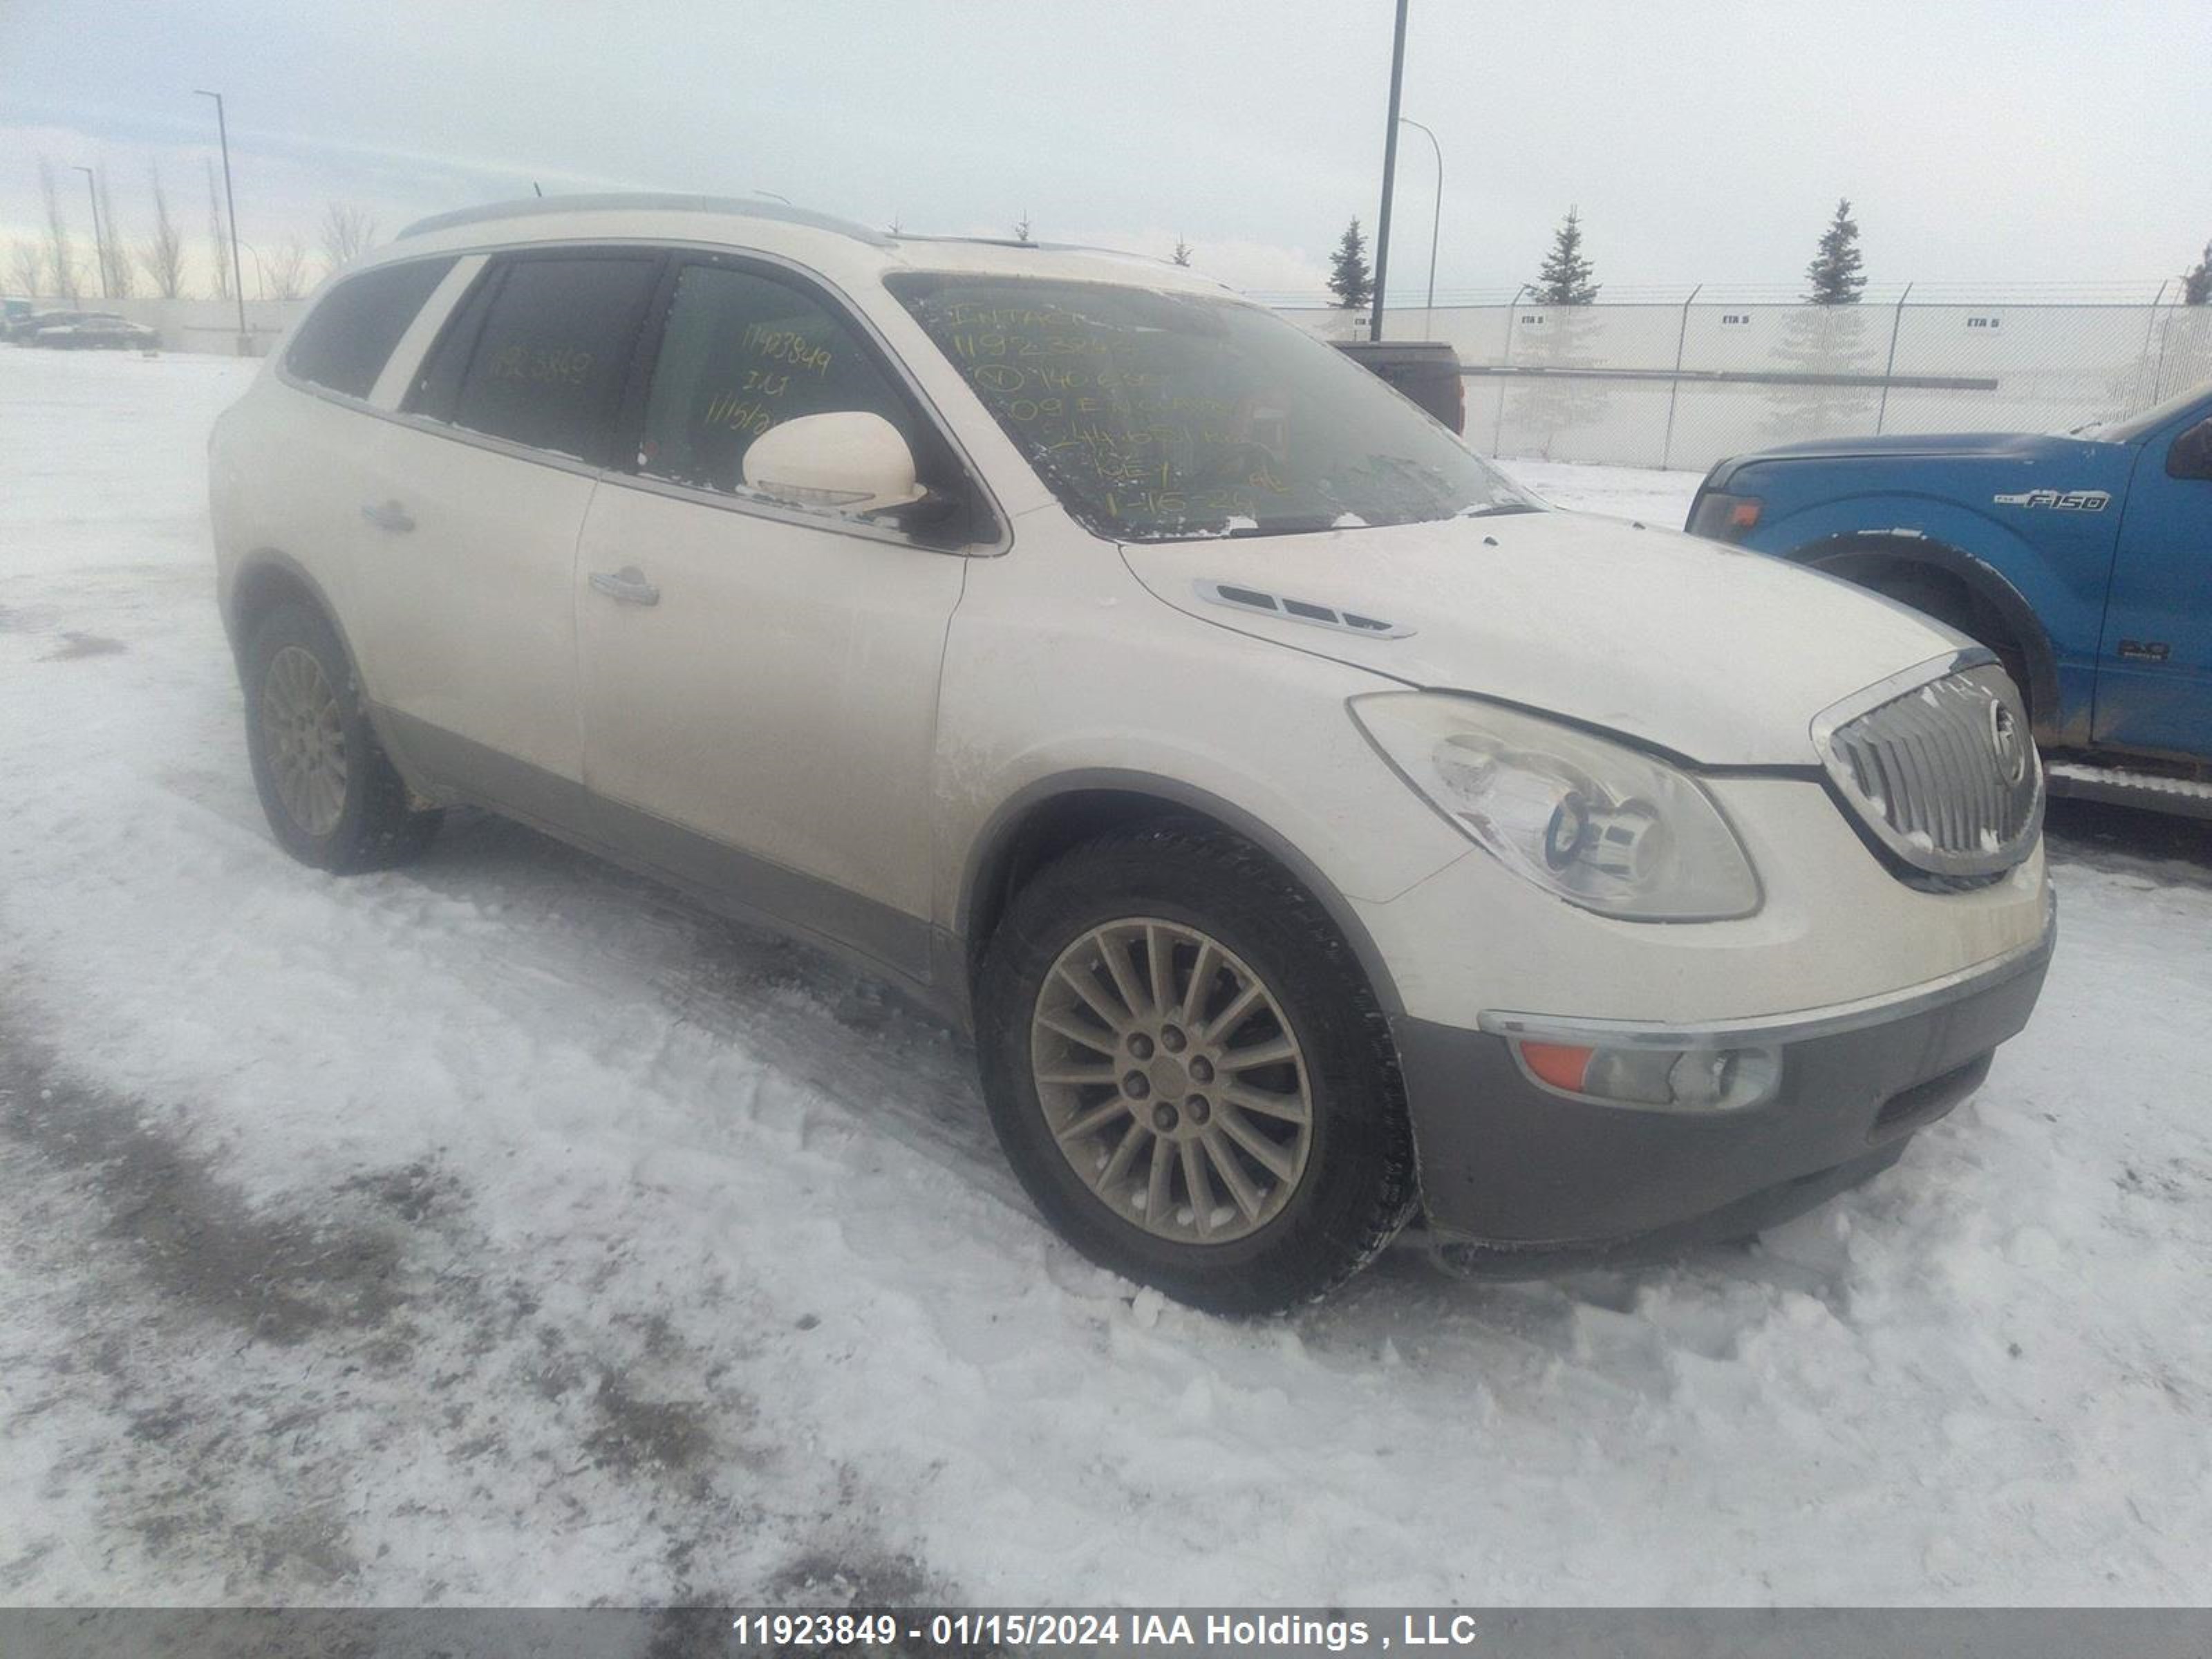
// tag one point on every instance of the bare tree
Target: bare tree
(163, 253)
(114, 252)
(218, 244)
(27, 268)
(347, 233)
(61, 256)
(1183, 252)
(1022, 227)
(285, 276)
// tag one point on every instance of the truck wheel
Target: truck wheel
(330, 793)
(1189, 1073)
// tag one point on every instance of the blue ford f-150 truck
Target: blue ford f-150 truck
(2083, 562)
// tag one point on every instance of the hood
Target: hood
(1991, 446)
(2001, 446)
(1718, 654)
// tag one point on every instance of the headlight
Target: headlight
(1601, 824)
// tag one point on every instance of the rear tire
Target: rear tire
(331, 796)
(1111, 1104)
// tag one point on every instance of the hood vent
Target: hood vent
(1305, 610)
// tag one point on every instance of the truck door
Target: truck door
(2154, 670)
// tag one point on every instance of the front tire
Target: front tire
(1189, 1073)
(331, 796)
(1954, 606)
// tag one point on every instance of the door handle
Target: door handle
(628, 584)
(391, 516)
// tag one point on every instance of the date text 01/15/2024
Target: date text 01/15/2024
(787, 1629)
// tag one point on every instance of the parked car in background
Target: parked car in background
(1313, 829)
(2083, 562)
(22, 323)
(1426, 371)
(92, 331)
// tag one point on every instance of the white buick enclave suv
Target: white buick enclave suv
(1314, 829)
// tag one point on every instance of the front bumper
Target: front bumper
(1543, 1179)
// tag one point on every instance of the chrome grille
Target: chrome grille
(1939, 765)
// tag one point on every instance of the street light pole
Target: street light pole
(99, 239)
(1497, 430)
(260, 269)
(1389, 176)
(230, 203)
(1436, 220)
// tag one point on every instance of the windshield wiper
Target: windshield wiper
(1498, 510)
(1303, 526)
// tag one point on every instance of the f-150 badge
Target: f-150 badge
(2066, 501)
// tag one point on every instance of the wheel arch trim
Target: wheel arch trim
(989, 857)
(267, 562)
(1981, 578)
(259, 565)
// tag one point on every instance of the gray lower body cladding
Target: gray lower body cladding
(1540, 1178)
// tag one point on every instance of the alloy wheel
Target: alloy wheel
(1171, 1080)
(304, 736)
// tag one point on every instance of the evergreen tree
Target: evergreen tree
(1182, 251)
(2196, 286)
(1565, 278)
(1349, 278)
(1022, 227)
(1834, 272)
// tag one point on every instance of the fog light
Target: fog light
(1666, 1079)
(1558, 1064)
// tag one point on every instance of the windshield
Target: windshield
(1160, 417)
(2126, 431)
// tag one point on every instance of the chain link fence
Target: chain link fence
(1686, 384)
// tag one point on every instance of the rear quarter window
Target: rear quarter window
(344, 344)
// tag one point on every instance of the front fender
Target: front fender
(991, 847)
(2051, 588)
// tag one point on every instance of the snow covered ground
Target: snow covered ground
(501, 1231)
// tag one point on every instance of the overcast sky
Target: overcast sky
(2016, 143)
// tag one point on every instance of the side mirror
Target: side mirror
(2189, 456)
(849, 462)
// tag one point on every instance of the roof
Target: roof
(997, 255)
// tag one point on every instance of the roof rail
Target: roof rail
(647, 202)
(1040, 248)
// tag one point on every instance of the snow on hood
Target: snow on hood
(1717, 654)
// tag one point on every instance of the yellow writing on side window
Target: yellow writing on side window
(739, 413)
(786, 345)
(541, 365)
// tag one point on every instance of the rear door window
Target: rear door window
(342, 345)
(540, 357)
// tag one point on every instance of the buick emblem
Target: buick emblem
(2008, 741)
